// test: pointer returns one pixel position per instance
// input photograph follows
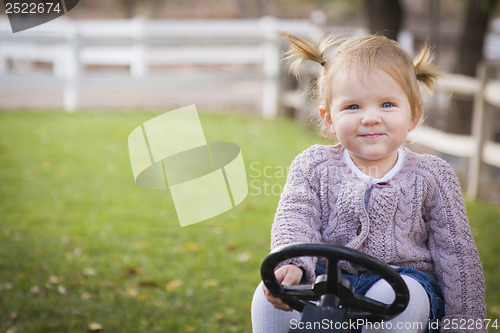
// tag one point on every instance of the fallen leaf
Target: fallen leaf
(6, 286)
(131, 270)
(35, 290)
(54, 280)
(191, 247)
(245, 256)
(95, 327)
(142, 297)
(53, 325)
(219, 315)
(210, 283)
(173, 285)
(77, 282)
(131, 292)
(189, 328)
(62, 290)
(141, 245)
(13, 316)
(86, 296)
(65, 239)
(149, 283)
(47, 163)
(495, 309)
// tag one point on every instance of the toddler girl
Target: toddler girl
(370, 194)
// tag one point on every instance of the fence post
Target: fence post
(138, 60)
(3, 61)
(479, 132)
(73, 86)
(271, 87)
(318, 19)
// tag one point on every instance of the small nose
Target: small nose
(371, 116)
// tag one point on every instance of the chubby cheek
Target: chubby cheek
(343, 127)
(344, 137)
(403, 126)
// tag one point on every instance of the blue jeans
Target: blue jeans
(364, 282)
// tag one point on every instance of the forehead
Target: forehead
(374, 80)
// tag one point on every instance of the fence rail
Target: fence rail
(71, 46)
(479, 146)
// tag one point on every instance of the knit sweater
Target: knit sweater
(417, 219)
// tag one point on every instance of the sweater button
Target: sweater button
(358, 231)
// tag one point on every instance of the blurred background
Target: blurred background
(83, 249)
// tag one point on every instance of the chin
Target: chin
(374, 156)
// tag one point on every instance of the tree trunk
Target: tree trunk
(470, 53)
(384, 17)
(251, 9)
(128, 8)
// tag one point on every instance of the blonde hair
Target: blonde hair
(365, 54)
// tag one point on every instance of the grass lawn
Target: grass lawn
(83, 248)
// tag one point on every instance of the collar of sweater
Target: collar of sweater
(395, 169)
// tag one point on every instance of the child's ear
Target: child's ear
(326, 117)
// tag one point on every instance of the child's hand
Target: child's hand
(287, 275)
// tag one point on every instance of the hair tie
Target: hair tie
(323, 63)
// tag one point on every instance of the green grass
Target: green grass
(80, 243)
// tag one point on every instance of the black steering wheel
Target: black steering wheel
(332, 289)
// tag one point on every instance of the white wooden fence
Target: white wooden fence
(70, 46)
(478, 147)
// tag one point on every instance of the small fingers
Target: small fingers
(286, 307)
(276, 301)
(279, 304)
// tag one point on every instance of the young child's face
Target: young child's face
(369, 114)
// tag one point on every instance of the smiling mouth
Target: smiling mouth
(371, 136)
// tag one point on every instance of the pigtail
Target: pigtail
(302, 49)
(425, 71)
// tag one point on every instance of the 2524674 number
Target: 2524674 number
(32, 8)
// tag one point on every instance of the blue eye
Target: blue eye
(387, 105)
(353, 107)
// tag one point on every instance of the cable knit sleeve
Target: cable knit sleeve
(298, 214)
(456, 260)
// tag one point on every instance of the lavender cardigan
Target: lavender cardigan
(416, 219)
